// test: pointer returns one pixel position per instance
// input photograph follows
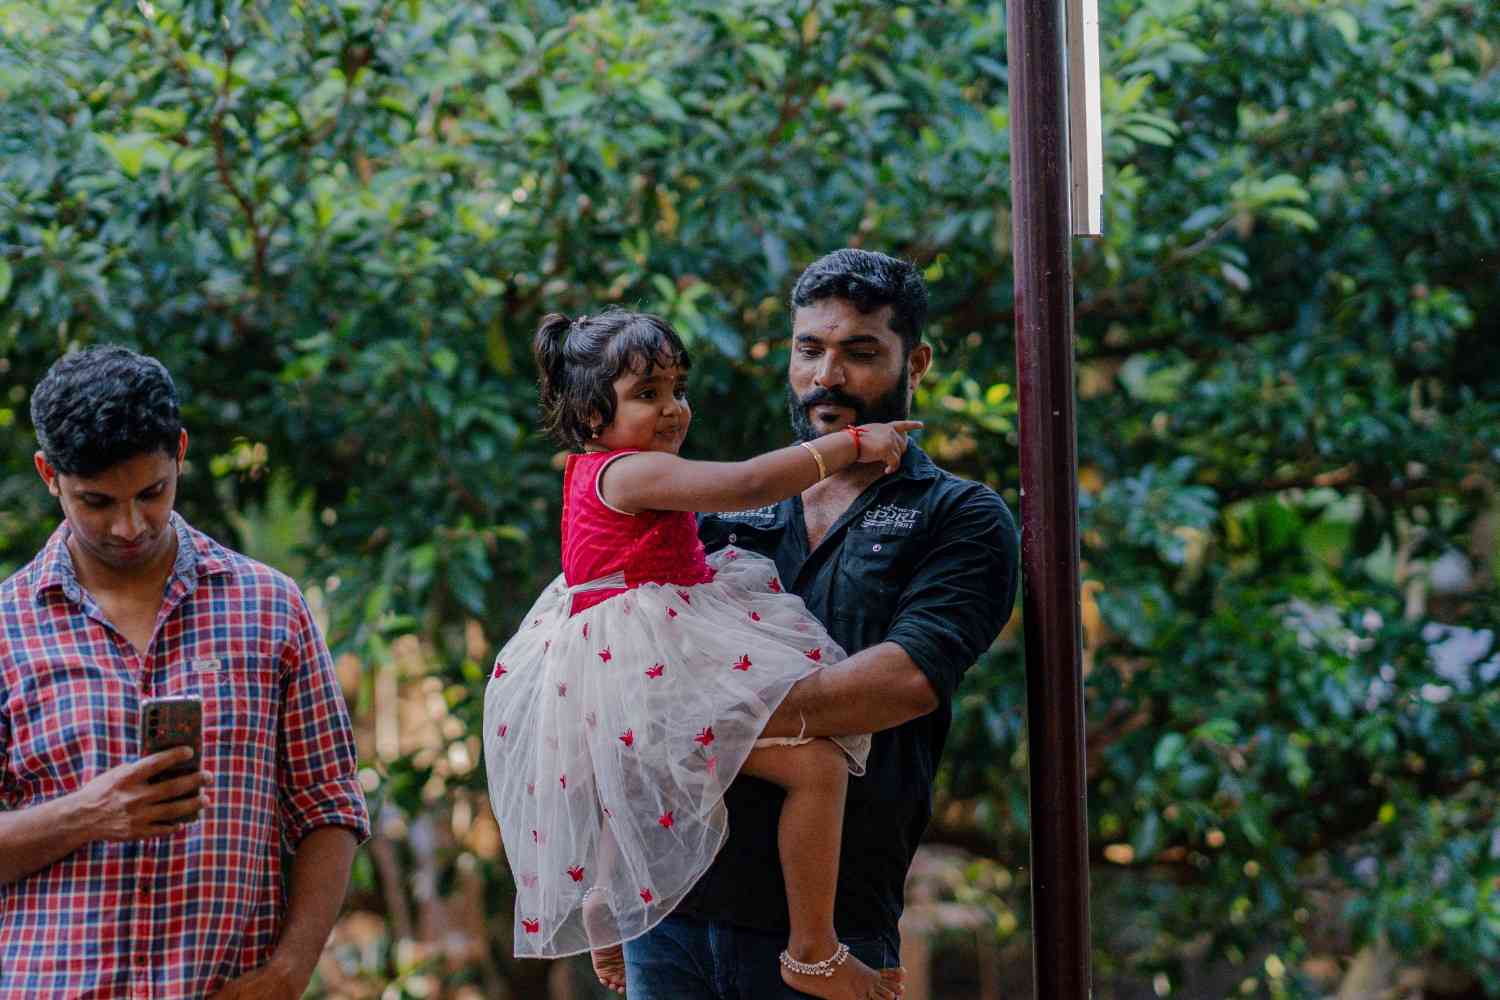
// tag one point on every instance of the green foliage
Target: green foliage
(339, 224)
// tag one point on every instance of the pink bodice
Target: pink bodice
(654, 546)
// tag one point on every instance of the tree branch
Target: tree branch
(221, 161)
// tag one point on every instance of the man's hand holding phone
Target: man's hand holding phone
(124, 804)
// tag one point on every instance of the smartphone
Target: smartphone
(173, 722)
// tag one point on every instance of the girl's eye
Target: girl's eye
(648, 393)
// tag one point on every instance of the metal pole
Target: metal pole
(1040, 200)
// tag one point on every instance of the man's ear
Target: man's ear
(917, 365)
(182, 443)
(47, 472)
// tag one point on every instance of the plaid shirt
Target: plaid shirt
(177, 915)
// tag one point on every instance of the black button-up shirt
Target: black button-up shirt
(923, 559)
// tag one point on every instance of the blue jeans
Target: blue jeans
(686, 959)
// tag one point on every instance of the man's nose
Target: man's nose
(132, 522)
(830, 373)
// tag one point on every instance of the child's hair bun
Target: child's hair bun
(547, 348)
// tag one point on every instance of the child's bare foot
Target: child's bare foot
(599, 923)
(609, 966)
(851, 980)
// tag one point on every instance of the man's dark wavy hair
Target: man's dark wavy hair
(868, 280)
(102, 406)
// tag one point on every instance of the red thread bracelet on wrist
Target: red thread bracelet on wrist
(855, 433)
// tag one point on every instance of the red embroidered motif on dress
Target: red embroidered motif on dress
(500, 670)
(502, 730)
(671, 612)
(705, 736)
(576, 873)
(585, 630)
(628, 737)
(531, 926)
(655, 670)
(755, 616)
(816, 655)
(686, 597)
(564, 780)
(743, 663)
(666, 819)
(606, 655)
(562, 690)
(646, 896)
(775, 585)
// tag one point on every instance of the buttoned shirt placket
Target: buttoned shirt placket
(141, 666)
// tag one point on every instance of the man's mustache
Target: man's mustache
(831, 397)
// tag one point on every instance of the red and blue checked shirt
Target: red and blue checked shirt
(177, 915)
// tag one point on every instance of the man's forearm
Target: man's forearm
(320, 878)
(33, 838)
(876, 688)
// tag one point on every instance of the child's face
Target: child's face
(651, 411)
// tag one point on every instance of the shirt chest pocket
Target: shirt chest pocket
(873, 567)
(751, 536)
(239, 701)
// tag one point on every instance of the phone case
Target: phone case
(172, 722)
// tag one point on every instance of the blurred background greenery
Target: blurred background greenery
(339, 222)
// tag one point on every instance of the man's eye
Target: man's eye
(808, 352)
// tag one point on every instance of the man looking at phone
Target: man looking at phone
(112, 885)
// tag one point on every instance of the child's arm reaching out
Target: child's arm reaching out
(658, 480)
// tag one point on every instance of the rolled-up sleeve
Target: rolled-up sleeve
(963, 590)
(318, 775)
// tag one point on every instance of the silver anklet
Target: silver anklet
(824, 968)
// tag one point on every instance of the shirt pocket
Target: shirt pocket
(871, 574)
(752, 536)
(238, 693)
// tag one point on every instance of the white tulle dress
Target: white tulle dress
(622, 709)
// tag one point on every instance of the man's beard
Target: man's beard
(889, 406)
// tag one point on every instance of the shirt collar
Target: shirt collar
(916, 464)
(198, 556)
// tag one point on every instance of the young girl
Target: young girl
(640, 682)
